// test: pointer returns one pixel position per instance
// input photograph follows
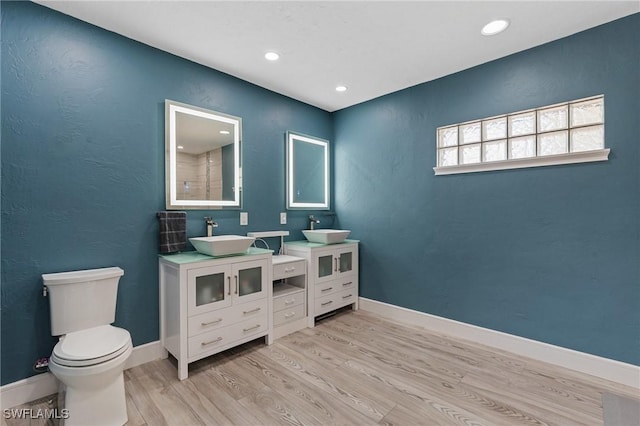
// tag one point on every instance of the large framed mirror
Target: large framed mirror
(203, 155)
(307, 172)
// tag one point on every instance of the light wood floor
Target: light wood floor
(357, 369)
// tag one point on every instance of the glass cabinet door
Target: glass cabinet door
(249, 280)
(324, 267)
(208, 289)
(345, 262)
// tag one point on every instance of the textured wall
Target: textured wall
(550, 254)
(83, 165)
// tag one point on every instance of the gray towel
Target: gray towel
(173, 231)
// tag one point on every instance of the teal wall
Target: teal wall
(549, 253)
(83, 165)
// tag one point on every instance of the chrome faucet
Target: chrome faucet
(210, 225)
(312, 222)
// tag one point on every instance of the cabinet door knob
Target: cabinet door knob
(204, 324)
(211, 342)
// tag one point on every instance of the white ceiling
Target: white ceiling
(372, 47)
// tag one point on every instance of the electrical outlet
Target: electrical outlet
(244, 218)
(283, 218)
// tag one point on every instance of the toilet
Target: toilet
(89, 358)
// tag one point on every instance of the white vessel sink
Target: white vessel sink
(221, 245)
(326, 236)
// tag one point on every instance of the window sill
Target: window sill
(548, 160)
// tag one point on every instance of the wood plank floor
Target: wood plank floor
(357, 369)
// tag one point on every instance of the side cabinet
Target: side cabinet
(208, 305)
(332, 275)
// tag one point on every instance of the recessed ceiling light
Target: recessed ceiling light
(495, 27)
(341, 88)
(180, 147)
(224, 132)
(271, 56)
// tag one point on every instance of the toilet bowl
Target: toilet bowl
(89, 358)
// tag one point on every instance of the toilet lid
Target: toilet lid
(91, 346)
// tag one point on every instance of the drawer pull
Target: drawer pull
(291, 315)
(335, 264)
(289, 302)
(348, 296)
(346, 284)
(236, 283)
(204, 324)
(211, 342)
(229, 286)
(251, 328)
(289, 269)
(326, 289)
(327, 303)
(251, 311)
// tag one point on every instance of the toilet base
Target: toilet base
(93, 407)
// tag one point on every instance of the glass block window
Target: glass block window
(570, 127)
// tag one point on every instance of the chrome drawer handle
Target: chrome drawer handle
(251, 311)
(326, 289)
(289, 302)
(327, 303)
(204, 324)
(346, 297)
(291, 315)
(251, 328)
(346, 284)
(211, 342)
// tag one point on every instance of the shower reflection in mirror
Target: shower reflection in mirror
(202, 158)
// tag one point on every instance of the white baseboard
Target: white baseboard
(605, 368)
(41, 385)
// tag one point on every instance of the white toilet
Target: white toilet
(89, 358)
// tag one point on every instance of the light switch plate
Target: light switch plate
(283, 218)
(244, 218)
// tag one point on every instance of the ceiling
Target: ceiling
(372, 47)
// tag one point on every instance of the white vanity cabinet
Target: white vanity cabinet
(332, 275)
(209, 304)
(289, 295)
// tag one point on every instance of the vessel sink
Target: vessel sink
(326, 236)
(221, 245)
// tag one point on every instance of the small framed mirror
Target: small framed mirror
(203, 155)
(307, 172)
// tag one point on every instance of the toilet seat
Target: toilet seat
(91, 346)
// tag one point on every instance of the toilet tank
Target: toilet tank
(82, 299)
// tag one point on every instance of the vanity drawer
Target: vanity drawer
(291, 269)
(288, 301)
(223, 317)
(331, 287)
(335, 301)
(208, 342)
(288, 315)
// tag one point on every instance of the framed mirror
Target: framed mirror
(307, 172)
(202, 158)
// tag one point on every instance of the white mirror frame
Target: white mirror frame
(291, 203)
(172, 202)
